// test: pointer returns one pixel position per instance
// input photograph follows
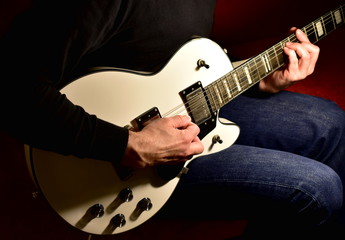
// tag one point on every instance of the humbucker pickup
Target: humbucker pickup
(198, 107)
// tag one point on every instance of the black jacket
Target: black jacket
(56, 41)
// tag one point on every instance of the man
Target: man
(270, 173)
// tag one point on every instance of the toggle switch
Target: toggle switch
(201, 63)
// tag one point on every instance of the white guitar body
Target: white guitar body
(72, 185)
(90, 194)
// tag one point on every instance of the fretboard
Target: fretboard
(252, 71)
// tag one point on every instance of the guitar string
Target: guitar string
(222, 94)
(192, 104)
(241, 78)
(273, 54)
(309, 29)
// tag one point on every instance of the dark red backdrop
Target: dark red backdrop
(245, 28)
(249, 27)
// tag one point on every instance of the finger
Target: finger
(292, 30)
(193, 145)
(314, 52)
(192, 131)
(180, 121)
(196, 147)
(308, 54)
(292, 64)
(186, 126)
(301, 36)
(196, 139)
(303, 59)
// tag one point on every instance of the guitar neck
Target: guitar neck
(223, 90)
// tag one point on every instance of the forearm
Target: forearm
(44, 118)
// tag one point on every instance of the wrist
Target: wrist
(131, 157)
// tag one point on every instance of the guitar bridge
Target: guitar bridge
(144, 119)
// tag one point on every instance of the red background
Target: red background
(245, 28)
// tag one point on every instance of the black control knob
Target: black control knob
(119, 220)
(145, 204)
(97, 210)
(126, 195)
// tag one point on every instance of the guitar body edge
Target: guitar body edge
(72, 185)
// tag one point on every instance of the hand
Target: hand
(163, 141)
(302, 58)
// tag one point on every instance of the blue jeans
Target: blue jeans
(287, 168)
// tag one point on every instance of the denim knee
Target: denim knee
(324, 190)
(330, 137)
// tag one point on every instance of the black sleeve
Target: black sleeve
(41, 48)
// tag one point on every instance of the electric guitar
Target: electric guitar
(100, 198)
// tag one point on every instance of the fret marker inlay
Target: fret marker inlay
(227, 87)
(319, 28)
(218, 94)
(337, 16)
(248, 75)
(238, 80)
(266, 63)
(234, 75)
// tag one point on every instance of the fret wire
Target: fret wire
(256, 70)
(241, 78)
(228, 82)
(273, 58)
(334, 21)
(212, 94)
(227, 91)
(222, 92)
(329, 22)
(255, 73)
(211, 97)
(253, 65)
(216, 95)
(241, 82)
(233, 86)
(275, 52)
(323, 26)
(325, 20)
(227, 87)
